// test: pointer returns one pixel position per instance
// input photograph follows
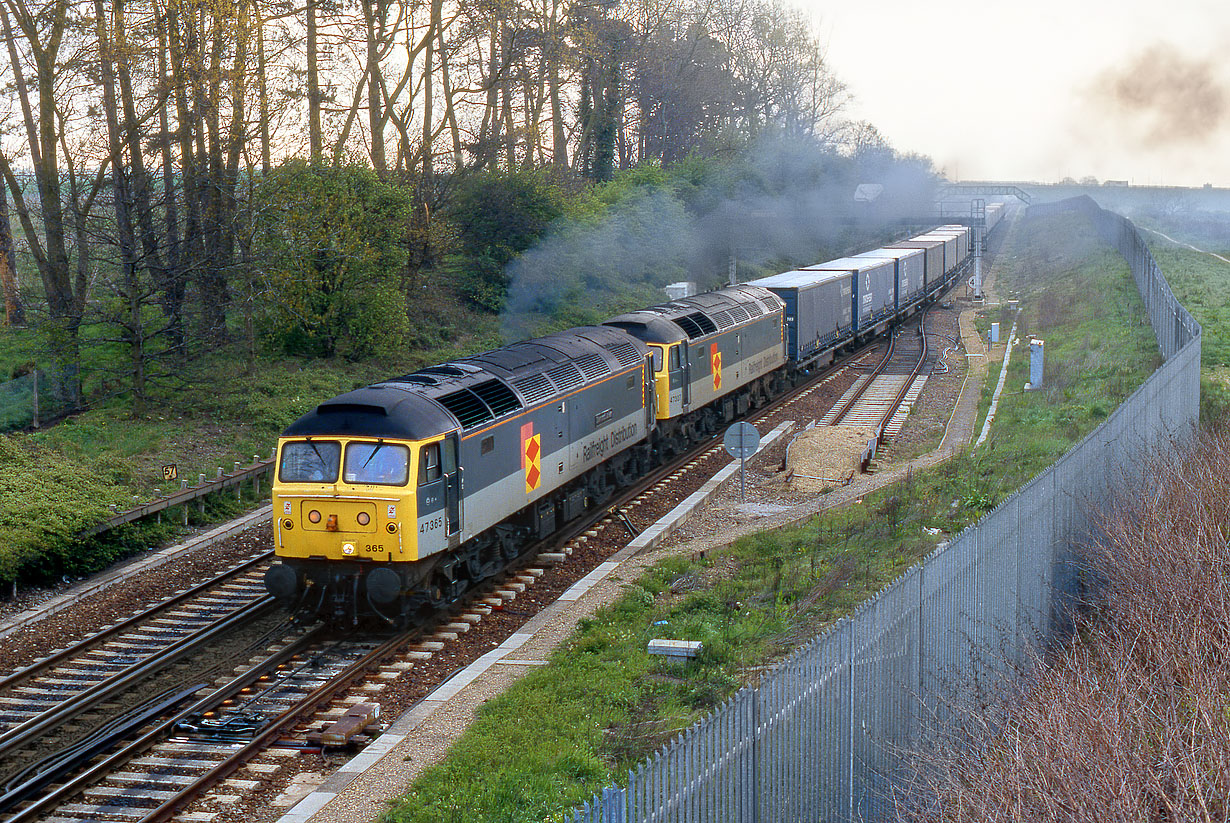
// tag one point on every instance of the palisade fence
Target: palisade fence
(828, 734)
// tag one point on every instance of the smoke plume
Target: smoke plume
(1166, 97)
(786, 203)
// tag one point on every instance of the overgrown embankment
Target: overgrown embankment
(1129, 721)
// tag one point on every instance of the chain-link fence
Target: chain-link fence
(827, 734)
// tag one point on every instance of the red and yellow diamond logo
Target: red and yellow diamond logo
(715, 360)
(531, 457)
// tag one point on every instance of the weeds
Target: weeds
(1129, 720)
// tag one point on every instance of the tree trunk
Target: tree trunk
(173, 288)
(43, 34)
(315, 135)
(262, 80)
(14, 314)
(132, 329)
(373, 15)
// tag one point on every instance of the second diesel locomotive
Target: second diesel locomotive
(398, 496)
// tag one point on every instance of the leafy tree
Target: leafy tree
(498, 215)
(329, 248)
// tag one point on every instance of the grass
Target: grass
(1202, 284)
(602, 704)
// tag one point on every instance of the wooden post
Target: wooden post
(36, 398)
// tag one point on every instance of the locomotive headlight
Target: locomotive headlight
(364, 518)
(314, 516)
(348, 548)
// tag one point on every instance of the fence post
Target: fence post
(756, 756)
(36, 398)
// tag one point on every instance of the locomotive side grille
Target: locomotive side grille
(626, 354)
(566, 377)
(467, 407)
(535, 388)
(498, 397)
(593, 366)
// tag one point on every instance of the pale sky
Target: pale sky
(1043, 89)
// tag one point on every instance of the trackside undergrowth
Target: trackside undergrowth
(1128, 720)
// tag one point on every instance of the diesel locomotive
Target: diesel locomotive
(397, 497)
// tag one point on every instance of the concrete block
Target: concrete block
(675, 648)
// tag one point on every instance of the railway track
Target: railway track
(154, 759)
(881, 399)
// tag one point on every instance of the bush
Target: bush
(45, 500)
(330, 246)
(1128, 720)
(498, 215)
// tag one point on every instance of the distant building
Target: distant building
(868, 192)
(1120, 183)
(684, 288)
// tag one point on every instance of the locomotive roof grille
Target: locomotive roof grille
(625, 353)
(752, 309)
(689, 327)
(498, 397)
(447, 371)
(467, 407)
(770, 304)
(593, 366)
(723, 319)
(417, 379)
(702, 320)
(535, 387)
(695, 325)
(566, 376)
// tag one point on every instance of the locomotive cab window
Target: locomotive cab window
(656, 354)
(310, 461)
(429, 464)
(674, 358)
(381, 464)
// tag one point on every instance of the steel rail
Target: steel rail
(309, 704)
(888, 415)
(88, 642)
(876, 372)
(136, 748)
(106, 689)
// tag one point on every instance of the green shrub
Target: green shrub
(330, 250)
(497, 216)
